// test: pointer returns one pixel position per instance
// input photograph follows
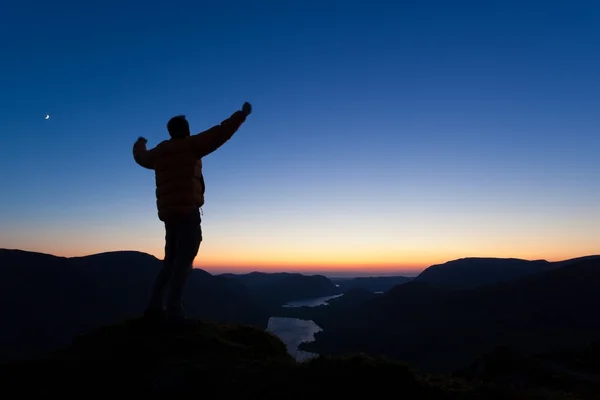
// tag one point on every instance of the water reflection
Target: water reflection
(315, 302)
(293, 331)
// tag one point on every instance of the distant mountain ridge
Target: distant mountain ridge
(276, 289)
(472, 272)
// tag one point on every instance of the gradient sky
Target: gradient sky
(384, 136)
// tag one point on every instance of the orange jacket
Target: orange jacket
(177, 164)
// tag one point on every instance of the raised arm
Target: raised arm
(143, 157)
(210, 140)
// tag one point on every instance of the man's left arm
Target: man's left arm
(141, 155)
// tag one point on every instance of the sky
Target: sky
(385, 137)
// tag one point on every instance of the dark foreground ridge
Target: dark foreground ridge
(224, 360)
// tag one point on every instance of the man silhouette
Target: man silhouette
(177, 165)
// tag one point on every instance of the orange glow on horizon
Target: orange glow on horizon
(397, 240)
(380, 263)
(376, 258)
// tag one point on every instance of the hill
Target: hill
(274, 290)
(440, 329)
(47, 300)
(469, 273)
(229, 360)
(135, 359)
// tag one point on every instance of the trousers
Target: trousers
(182, 242)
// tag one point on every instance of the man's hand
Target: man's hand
(247, 108)
(142, 156)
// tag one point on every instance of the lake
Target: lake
(293, 331)
(315, 302)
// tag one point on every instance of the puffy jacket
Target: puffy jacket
(177, 164)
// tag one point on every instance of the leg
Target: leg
(188, 244)
(156, 304)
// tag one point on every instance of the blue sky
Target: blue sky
(384, 136)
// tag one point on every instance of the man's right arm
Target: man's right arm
(210, 140)
(143, 157)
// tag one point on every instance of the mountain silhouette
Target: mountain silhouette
(47, 300)
(468, 273)
(276, 289)
(439, 329)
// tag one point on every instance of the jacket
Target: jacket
(177, 165)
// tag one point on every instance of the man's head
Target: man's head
(178, 127)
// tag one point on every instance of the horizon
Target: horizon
(356, 272)
(384, 137)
